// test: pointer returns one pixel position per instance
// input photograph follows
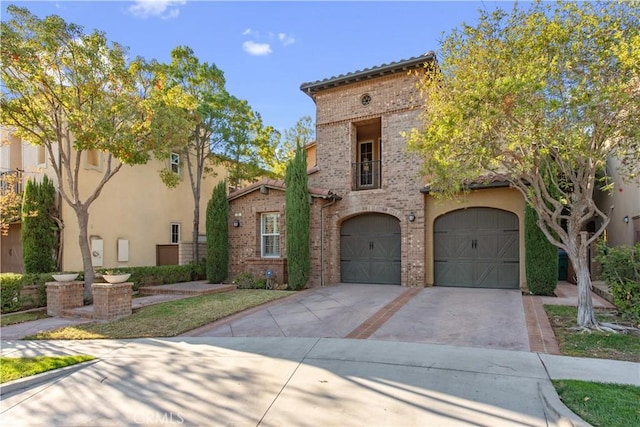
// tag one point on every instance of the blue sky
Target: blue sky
(268, 49)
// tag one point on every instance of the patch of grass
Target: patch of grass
(601, 404)
(604, 345)
(13, 368)
(168, 319)
(15, 318)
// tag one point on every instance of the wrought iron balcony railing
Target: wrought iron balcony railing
(366, 175)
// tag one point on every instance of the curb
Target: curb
(43, 377)
(556, 411)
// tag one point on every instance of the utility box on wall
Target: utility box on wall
(97, 252)
(123, 250)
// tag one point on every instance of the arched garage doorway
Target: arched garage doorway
(476, 247)
(370, 250)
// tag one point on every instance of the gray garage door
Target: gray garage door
(370, 250)
(477, 247)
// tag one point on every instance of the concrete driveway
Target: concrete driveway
(489, 318)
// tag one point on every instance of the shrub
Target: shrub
(541, 257)
(10, 286)
(621, 272)
(244, 281)
(297, 216)
(218, 234)
(247, 281)
(11, 291)
(161, 274)
(39, 227)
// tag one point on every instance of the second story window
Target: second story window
(174, 163)
(366, 170)
(175, 233)
(270, 235)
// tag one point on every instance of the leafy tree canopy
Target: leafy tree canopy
(72, 91)
(539, 98)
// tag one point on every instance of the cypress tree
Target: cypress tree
(39, 228)
(541, 257)
(218, 234)
(298, 217)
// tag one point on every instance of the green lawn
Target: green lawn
(13, 368)
(606, 405)
(14, 318)
(602, 345)
(170, 318)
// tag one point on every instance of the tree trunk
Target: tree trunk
(586, 315)
(85, 250)
(196, 229)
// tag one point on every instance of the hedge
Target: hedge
(621, 272)
(541, 257)
(14, 287)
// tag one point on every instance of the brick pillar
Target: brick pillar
(111, 300)
(63, 295)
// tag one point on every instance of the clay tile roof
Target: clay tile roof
(367, 73)
(278, 185)
(493, 181)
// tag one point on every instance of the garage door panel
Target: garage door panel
(453, 273)
(508, 246)
(370, 249)
(477, 247)
(354, 272)
(385, 273)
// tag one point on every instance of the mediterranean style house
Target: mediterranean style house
(373, 219)
(136, 220)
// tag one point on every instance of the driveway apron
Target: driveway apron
(490, 318)
(331, 312)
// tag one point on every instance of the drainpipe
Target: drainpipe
(334, 199)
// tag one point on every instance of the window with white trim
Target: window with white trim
(270, 235)
(174, 163)
(175, 233)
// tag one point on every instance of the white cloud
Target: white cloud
(165, 9)
(286, 39)
(258, 49)
(247, 32)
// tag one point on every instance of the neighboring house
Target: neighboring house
(373, 220)
(136, 220)
(624, 226)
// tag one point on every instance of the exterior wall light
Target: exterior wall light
(625, 219)
(411, 217)
(236, 223)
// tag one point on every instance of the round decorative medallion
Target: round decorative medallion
(365, 99)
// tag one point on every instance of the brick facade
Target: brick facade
(244, 241)
(360, 120)
(393, 103)
(64, 295)
(111, 301)
(340, 116)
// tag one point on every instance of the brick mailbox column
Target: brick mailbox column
(111, 300)
(64, 295)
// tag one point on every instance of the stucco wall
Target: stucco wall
(134, 205)
(507, 199)
(625, 200)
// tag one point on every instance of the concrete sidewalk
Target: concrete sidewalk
(300, 381)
